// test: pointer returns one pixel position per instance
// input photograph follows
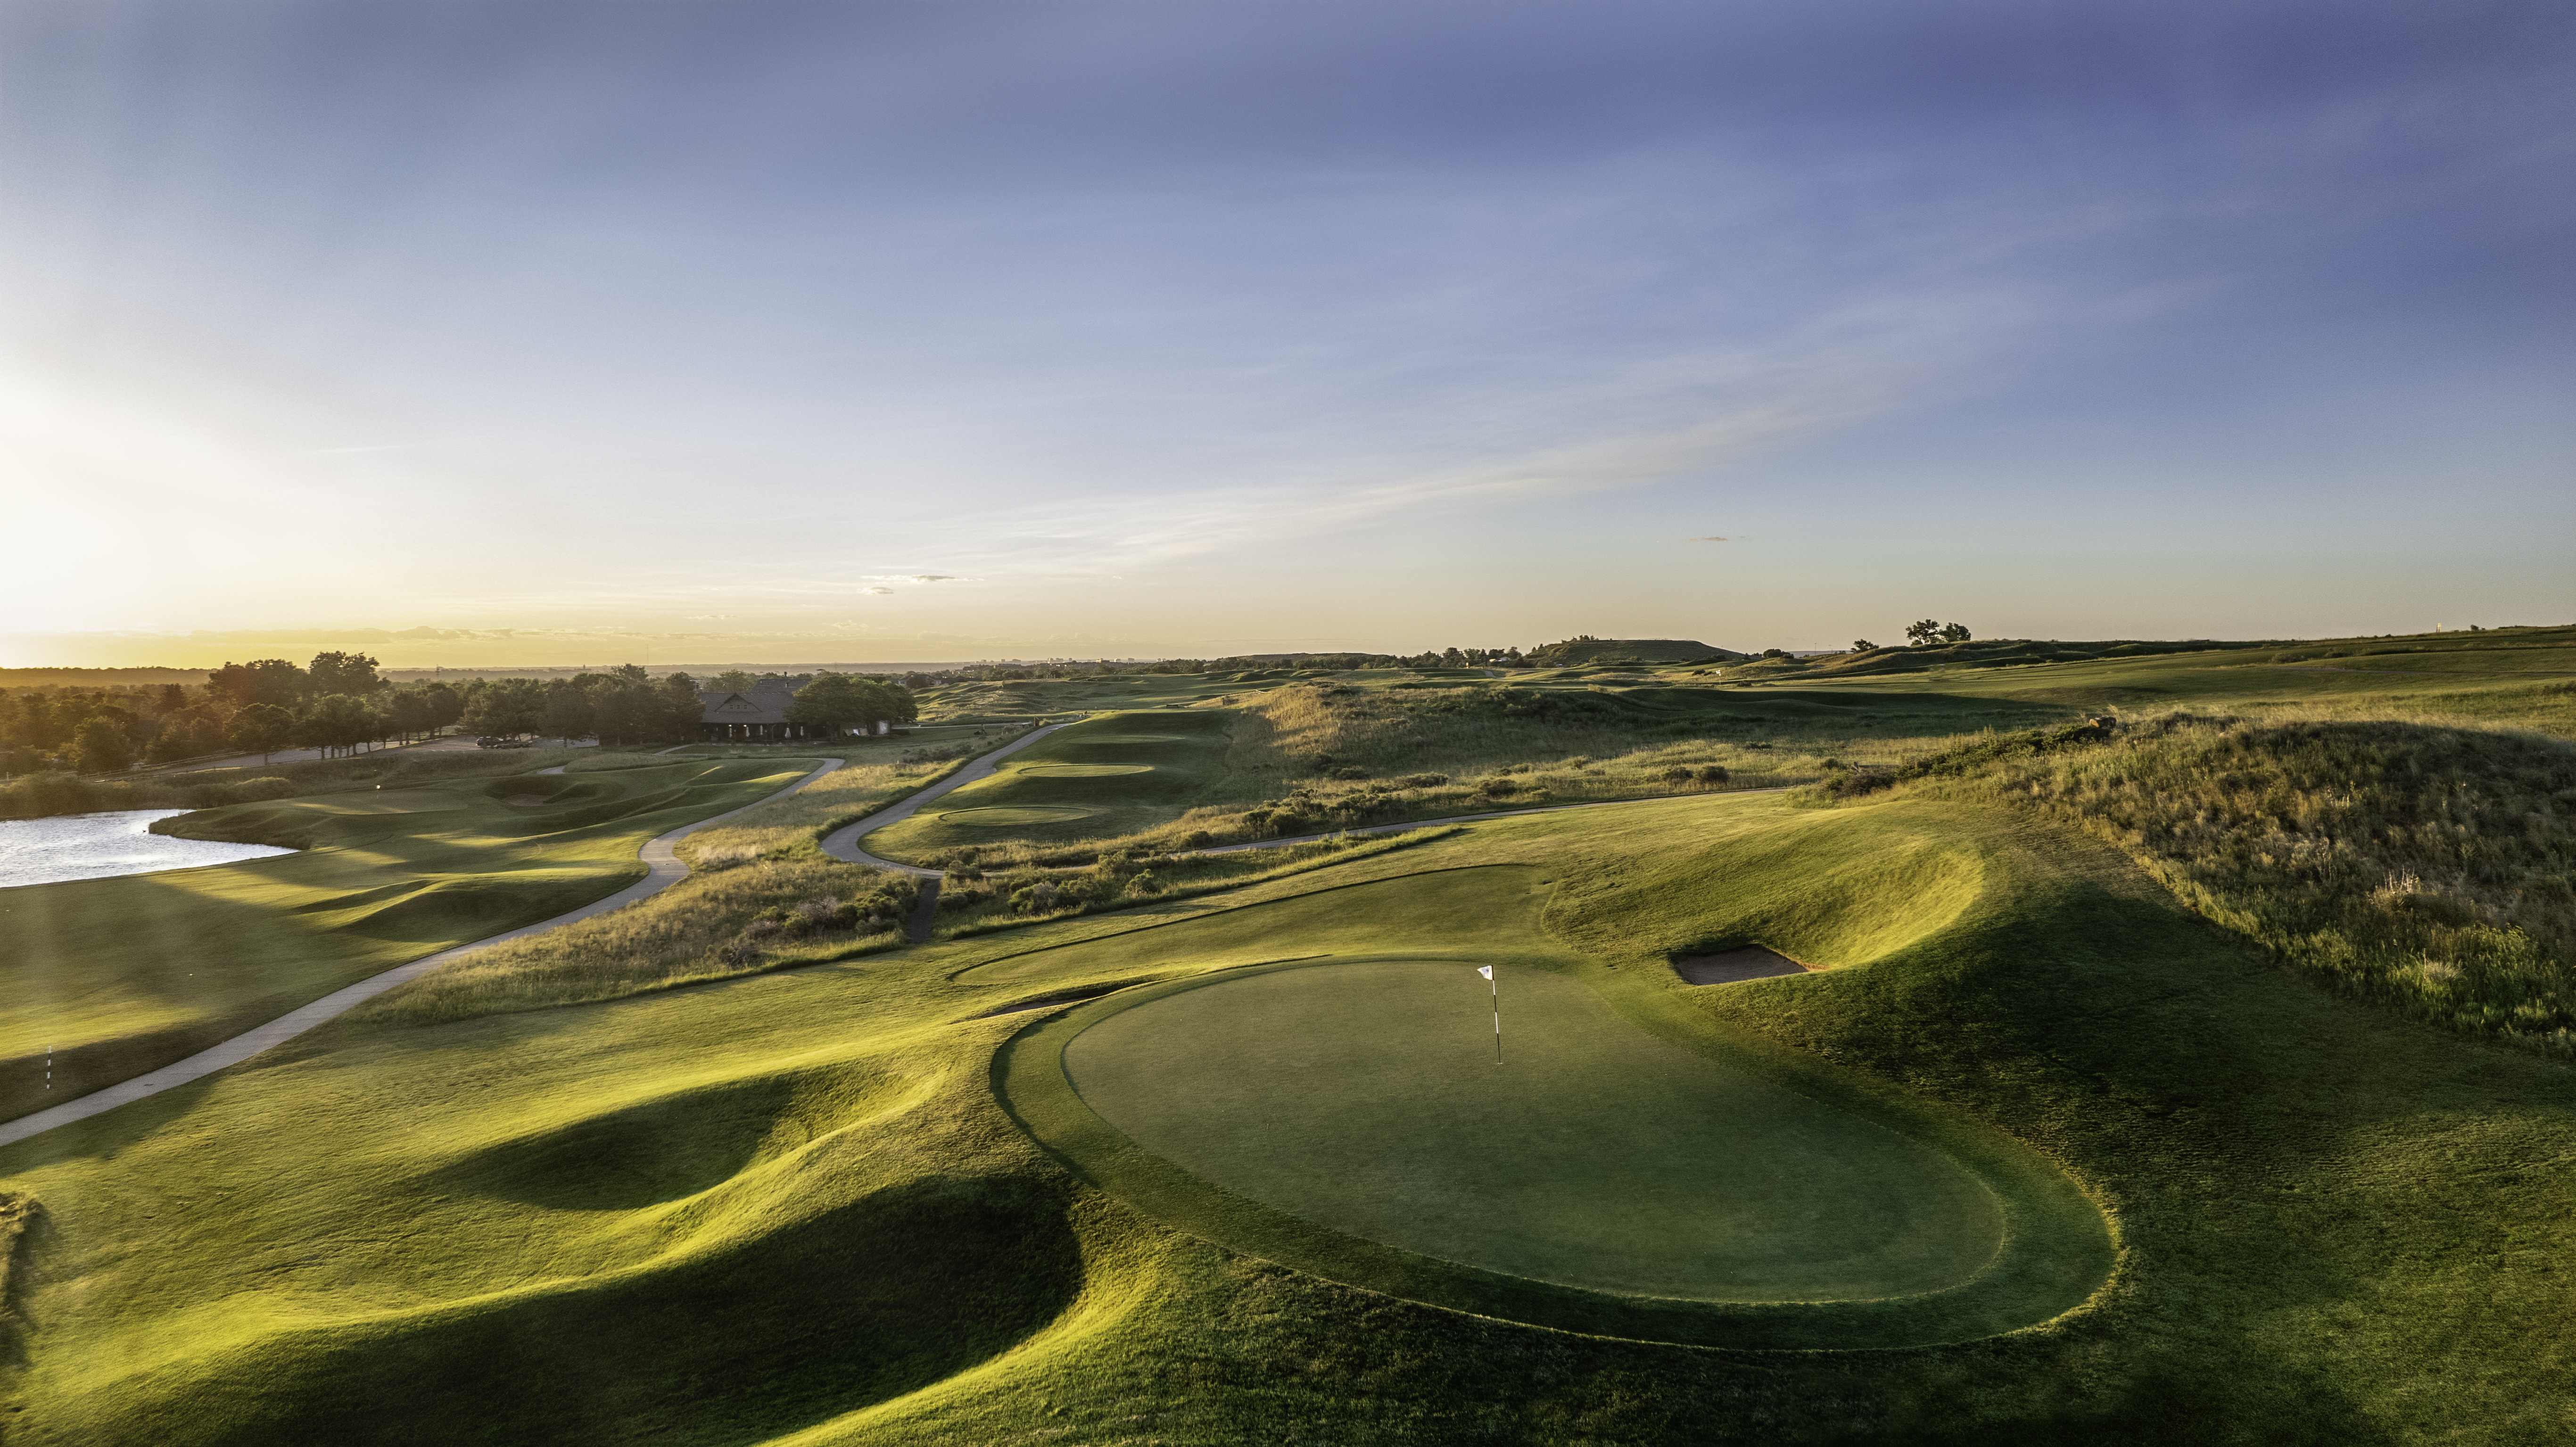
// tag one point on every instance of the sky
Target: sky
(766, 332)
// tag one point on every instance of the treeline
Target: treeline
(340, 703)
(1240, 663)
(336, 704)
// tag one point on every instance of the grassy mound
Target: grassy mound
(113, 977)
(1623, 1169)
(791, 1207)
(1097, 779)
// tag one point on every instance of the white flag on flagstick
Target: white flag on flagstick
(1485, 970)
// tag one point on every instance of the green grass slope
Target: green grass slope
(108, 978)
(1100, 778)
(789, 1208)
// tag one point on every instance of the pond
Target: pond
(98, 846)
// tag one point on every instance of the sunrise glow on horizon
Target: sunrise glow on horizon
(563, 333)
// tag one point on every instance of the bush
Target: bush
(1713, 774)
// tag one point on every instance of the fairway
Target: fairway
(1091, 780)
(1007, 818)
(1366, 1097)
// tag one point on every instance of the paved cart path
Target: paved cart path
(843, 843)
(663, 868)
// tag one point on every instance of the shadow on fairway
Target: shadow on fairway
(735, 1345)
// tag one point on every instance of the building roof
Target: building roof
(764, 702)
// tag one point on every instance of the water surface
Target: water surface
(99, 846)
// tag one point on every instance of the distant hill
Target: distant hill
(1983, 653)
(95, 677)
(1588, 650)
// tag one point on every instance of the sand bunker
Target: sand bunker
(1752, 962)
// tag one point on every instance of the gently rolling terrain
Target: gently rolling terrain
(2127, 1098)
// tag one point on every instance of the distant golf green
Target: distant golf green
(999, 818)
(1366, 1097)
(1092, 780)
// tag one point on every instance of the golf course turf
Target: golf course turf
(1237, 1166)
(1618, 1172)
(114, 977)
(1094, 779)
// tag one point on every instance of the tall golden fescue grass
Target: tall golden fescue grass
(2428, 868)
(764, 862)
(677, 937)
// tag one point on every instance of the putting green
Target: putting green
(1365, 1097)
(1000, 817)
(1312, 1081)
(1084, 771)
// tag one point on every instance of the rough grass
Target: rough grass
(753, 902)
(696, 930)
(42, 795)
(2430, 870)
(113, 977)
(789, 1208)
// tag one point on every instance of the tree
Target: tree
(260, 728)
(271, 681)
(681, 709)
(409, 711)
(1926, 632)
(1863, 645)
(349, 673)
(185, 735)
(1954, 632)
(505, 706)
(839, 703)
(100, 748)
(336, 721)
(732, 680)
(568, 714)
(446, 705)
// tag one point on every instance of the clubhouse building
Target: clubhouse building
(757, 715)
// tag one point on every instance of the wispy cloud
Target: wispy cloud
(1710, 538)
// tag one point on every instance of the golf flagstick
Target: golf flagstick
(1488, 972)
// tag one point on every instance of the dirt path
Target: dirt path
(662, 869)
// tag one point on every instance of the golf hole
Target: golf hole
(1364, 1097)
